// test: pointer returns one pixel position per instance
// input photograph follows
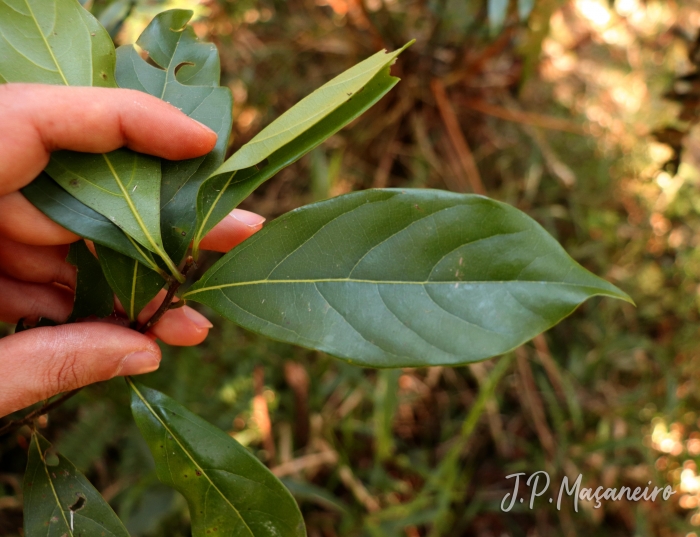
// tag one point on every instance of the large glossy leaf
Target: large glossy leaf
(77, 217)
(53, 42)
(391, 278)
(60, 502)
(93, 297)
(224, 191)
(188, 78)
(134, 284)
(228, 490)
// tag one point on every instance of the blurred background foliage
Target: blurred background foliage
(582, 113)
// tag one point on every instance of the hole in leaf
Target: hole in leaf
(79, 503)
(262, 164)
(180, 66)
(51, 457)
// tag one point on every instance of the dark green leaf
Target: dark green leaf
(228, 490)
(188, 78)
(220, 194)
(93, 297)
(393, 278)
(59, 501)
(134, 284)
(77, 217)
(53, 42)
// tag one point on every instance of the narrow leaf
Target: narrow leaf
(220, 194)
(59, 501)
(309, 111)
(93, 297)
(228, 490)
(134, 284)
(394, 278)
(77, 217)
(186, 76)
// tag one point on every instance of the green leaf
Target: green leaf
(309, 111)
(59, 501)
(394, 278)
(228, 490)
(93, 297)
(134, 284)
(188, 78)
(77, 217)
(53, 42)
(58, 42)
(220, 194)
(122, 185)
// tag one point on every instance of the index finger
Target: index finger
(37, 119)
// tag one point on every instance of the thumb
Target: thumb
(39, 363)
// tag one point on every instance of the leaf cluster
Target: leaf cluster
(384, 278)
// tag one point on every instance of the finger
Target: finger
(39, 363)
(20, 221)
(180, 327)
(23, 300)
(38, 119)
(37, 264)
(232, 230)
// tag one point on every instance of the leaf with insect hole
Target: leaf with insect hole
(59, 500)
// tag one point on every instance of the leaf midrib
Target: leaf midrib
(380, 282)
(186, 452)
(132, 299)
(132, 207)
(53, 489)
(198, 235)
(48, 47)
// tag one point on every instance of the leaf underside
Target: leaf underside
(223, 192)
(48, 42)
(77, 217)
(229, 491)
(134, 284)
(61, 43)
(54, 490)
(122, 185)
(430, 277)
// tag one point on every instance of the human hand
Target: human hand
(35, 279)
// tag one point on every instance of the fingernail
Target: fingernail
(197, 319)
(139, 362)
(248, 218)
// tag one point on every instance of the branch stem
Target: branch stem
(44, 409)
(168, 300)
